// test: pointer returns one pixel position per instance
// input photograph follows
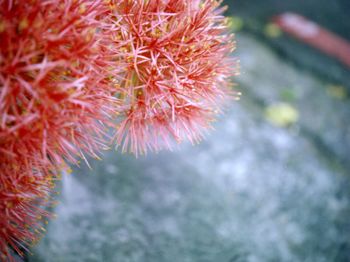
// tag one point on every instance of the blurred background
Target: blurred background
(271, 183)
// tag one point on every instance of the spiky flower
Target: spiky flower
(55, 101)
(25, 195)
(176, 56)
(52, 94)
(61, 64)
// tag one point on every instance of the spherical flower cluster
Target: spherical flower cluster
(70, 69)
(175, 53)
(53, 93)
(55, 102)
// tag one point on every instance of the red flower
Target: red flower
(53, 94)
(55, 102)
(68, 67)
(176, 55)
(25, 195)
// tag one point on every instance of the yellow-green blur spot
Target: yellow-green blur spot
(281, 114)
(288, 95)
(234, 23)
(272, 30)
(337, 91)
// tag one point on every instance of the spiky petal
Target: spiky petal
(25, 195)
(178, 68)
(55, 102)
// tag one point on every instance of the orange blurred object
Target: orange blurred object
(314, 35)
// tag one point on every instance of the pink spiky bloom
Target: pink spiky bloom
(60, 66)
(176, 56)
(56, 101)
(53, 95)
(25, 196)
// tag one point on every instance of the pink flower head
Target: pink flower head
(68, 67)
(53, 96)
(55, 101)
(176, 55)
(25, 195)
